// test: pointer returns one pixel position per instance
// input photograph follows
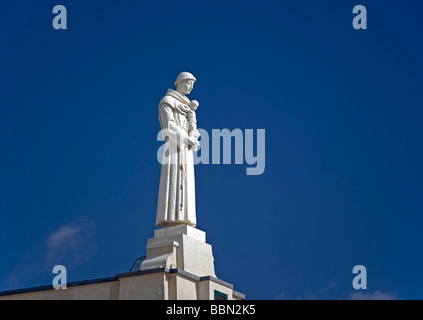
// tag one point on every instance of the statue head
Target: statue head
(185, 83)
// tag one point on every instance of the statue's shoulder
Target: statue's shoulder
(167, 100)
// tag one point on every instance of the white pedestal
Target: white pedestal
(181, 247)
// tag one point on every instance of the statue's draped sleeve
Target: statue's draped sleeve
(170, 127)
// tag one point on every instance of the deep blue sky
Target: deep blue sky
(342, 110)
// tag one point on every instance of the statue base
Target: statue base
(180, 247)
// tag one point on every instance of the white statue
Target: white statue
(176, 203)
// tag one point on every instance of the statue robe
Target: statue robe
(176, 202)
